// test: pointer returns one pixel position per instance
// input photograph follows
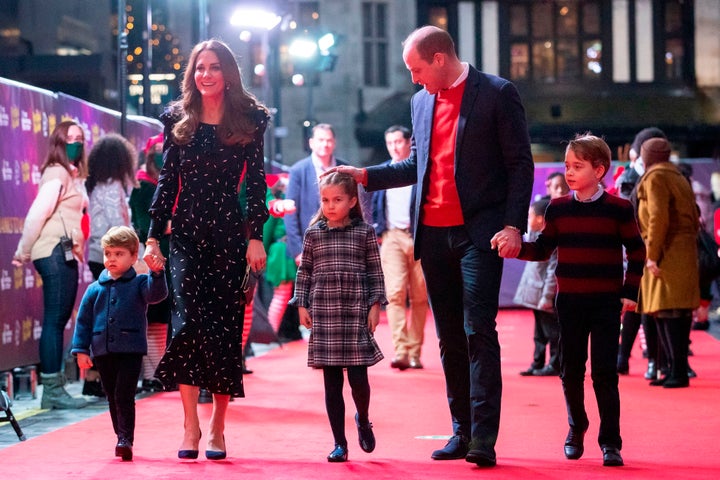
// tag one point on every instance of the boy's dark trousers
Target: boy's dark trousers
(597, 318)
(119, 373)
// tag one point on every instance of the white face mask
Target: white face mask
(639, 166)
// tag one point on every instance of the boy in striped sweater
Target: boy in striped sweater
(589, 228)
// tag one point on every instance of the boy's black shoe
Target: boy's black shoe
(574, 447)
(123, 449)
(612, 457)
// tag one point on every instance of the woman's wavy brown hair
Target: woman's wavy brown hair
(57, 155)
(240, 119)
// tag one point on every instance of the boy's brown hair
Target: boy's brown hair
(590, 148)
(121, 237)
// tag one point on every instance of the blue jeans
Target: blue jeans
(463, 283)
(60, 285)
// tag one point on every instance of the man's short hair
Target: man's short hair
(399, 128)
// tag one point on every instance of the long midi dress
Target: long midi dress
(338, 280)
(198, 191)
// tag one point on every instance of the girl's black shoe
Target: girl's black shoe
(339, 454)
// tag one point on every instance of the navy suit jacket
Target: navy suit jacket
(493, 163)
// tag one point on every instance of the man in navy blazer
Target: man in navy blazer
(472, 163)
(303, 187)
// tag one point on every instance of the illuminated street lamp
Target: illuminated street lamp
(255, 18)
(312, 55)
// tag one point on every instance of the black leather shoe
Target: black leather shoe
(401, 362)
(528, 373)
(658, 382)
(546, 371)
(339, 454)
(676, 382)
(612, 457)
(480, 458)
(366, 437)
(188, 454)
(574, 447)
(456, 448)
(123, 449)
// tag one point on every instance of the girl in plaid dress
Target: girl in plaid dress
(339, 290)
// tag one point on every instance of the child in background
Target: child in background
(339, 290)
(112, 327)
(536, 290)
(589, 229)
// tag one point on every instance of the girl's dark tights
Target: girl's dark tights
(334, 402)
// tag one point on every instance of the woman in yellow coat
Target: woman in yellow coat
(669, 221)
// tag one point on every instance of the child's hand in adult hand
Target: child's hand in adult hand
(305, 319)
(374, 317)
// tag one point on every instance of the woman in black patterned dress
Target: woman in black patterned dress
(213, 134)
(338, 291)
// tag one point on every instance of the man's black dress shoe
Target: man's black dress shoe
(611, 457)
(574, 447)
(675, 382)
(366, 437)
(456, 448)
(339, 454)
(123, 449)
(658, 382)
(480, 459)
(528, 373)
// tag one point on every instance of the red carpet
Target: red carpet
(280, 430)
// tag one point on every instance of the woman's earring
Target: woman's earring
(227, 86)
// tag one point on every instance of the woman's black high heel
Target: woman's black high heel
(216, 454)
(189, 454)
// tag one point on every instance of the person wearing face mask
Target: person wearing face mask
(52, 238)
(631, 320)
(158, 314)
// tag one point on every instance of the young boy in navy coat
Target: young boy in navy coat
(112, 327)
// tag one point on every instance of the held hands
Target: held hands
(153, 256)
(84, 360)
(305, 319)
(374, 317)
(507, 242)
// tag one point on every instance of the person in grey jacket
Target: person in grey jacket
(536, 290)
(112, 327)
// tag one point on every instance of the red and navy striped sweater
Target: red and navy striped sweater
(589, 237)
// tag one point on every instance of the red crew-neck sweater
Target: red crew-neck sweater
(442, 203)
